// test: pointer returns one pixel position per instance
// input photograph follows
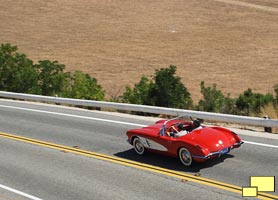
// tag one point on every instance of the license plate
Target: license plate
(224, 151)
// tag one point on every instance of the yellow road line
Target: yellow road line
(121, 161)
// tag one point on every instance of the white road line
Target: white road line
(261, 144)
(75, 116)
(19, 192)
(111, 121)
(249, 5)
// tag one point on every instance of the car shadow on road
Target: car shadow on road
(169, 162)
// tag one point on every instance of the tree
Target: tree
(51, 78)
(168, 90)
(164, 90)
(83, 86)
(17, 73)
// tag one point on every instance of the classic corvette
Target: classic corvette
(185, 138)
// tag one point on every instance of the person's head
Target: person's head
(196, 123)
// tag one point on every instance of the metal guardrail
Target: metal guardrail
(147, 109)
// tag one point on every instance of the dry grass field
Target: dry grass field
(227, 42)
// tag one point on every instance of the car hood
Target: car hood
(209, 138)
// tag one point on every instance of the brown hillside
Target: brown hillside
(117, 41)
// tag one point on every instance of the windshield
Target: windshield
(177, 120)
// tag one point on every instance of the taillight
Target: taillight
(237, 138)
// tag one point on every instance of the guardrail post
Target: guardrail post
(267, 129)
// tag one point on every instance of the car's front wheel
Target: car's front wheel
(138, 146)
(185, 157)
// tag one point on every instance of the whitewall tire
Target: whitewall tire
(185, 157)
(138, 146)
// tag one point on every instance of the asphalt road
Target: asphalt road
(45, 173)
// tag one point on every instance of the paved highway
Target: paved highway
(33, 171)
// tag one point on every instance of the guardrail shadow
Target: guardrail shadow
(169, 162)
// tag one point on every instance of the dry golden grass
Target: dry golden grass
(118, 41)
(270, 111)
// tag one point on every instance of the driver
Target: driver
(178, 131)
(182, 131)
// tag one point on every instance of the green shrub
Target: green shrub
(139, 94)
(83, 86)
(165, 90)
(17, 73)
(215, 101)
(250, 103)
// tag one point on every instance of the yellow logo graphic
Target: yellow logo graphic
(259, 184)
(249, 191)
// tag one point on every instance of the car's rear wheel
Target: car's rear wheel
(185, 157)
(138, 146)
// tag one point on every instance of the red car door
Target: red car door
(163, 144)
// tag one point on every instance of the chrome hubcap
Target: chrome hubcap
(185, 157)
(138, 146)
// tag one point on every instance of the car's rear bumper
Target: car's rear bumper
(219, 153)
(236, 145)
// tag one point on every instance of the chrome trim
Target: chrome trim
(202, 157)
(213, 153)
(239, 143)
(208, 156)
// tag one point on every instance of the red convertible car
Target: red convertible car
(184, 138)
